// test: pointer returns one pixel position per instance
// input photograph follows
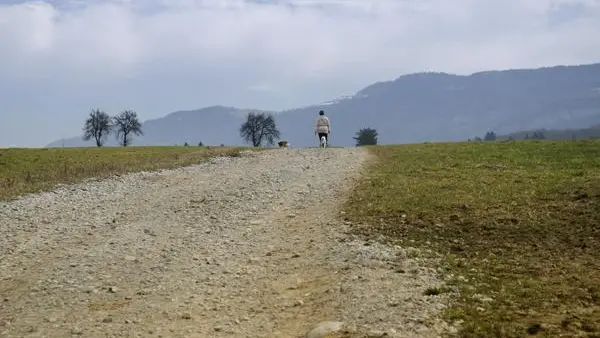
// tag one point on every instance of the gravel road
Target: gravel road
(250, 246)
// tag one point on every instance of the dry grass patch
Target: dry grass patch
(518, 225)
(31, 170)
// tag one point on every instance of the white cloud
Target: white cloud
(63, 58)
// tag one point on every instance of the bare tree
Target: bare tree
(126, 124)
(259, 127)
(97, 126)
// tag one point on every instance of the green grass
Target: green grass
(517, 225)
(31, 170)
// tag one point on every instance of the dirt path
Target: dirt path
(239, 247)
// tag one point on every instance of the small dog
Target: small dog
(323, 142)
(283, 144)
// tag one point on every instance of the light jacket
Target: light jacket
(323, 125)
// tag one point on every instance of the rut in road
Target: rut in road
(251, 246)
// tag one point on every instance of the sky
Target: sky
(59, 59)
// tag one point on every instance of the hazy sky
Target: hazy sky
(60, 58)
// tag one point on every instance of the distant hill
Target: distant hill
(413, 108)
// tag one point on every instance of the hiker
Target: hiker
(323, 126)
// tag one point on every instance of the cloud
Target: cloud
(61, 58)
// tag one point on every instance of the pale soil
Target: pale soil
(238, 247)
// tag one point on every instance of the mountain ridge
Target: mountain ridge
(416, 107)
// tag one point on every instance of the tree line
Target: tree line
(587, 133)
(491, 136)
(258, 128)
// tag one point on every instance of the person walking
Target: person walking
(323, 127)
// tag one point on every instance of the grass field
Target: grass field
(518, 225)
(31, 170)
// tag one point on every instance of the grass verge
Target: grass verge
(518, 225)
(31, 170)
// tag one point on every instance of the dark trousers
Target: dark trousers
(326, 137)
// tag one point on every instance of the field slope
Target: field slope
(250, 246)
(31, 170)
(518, 225)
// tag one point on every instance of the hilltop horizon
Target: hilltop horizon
(417, 107)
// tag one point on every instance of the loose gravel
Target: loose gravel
(252, 246)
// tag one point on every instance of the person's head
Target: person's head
(321, 113)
